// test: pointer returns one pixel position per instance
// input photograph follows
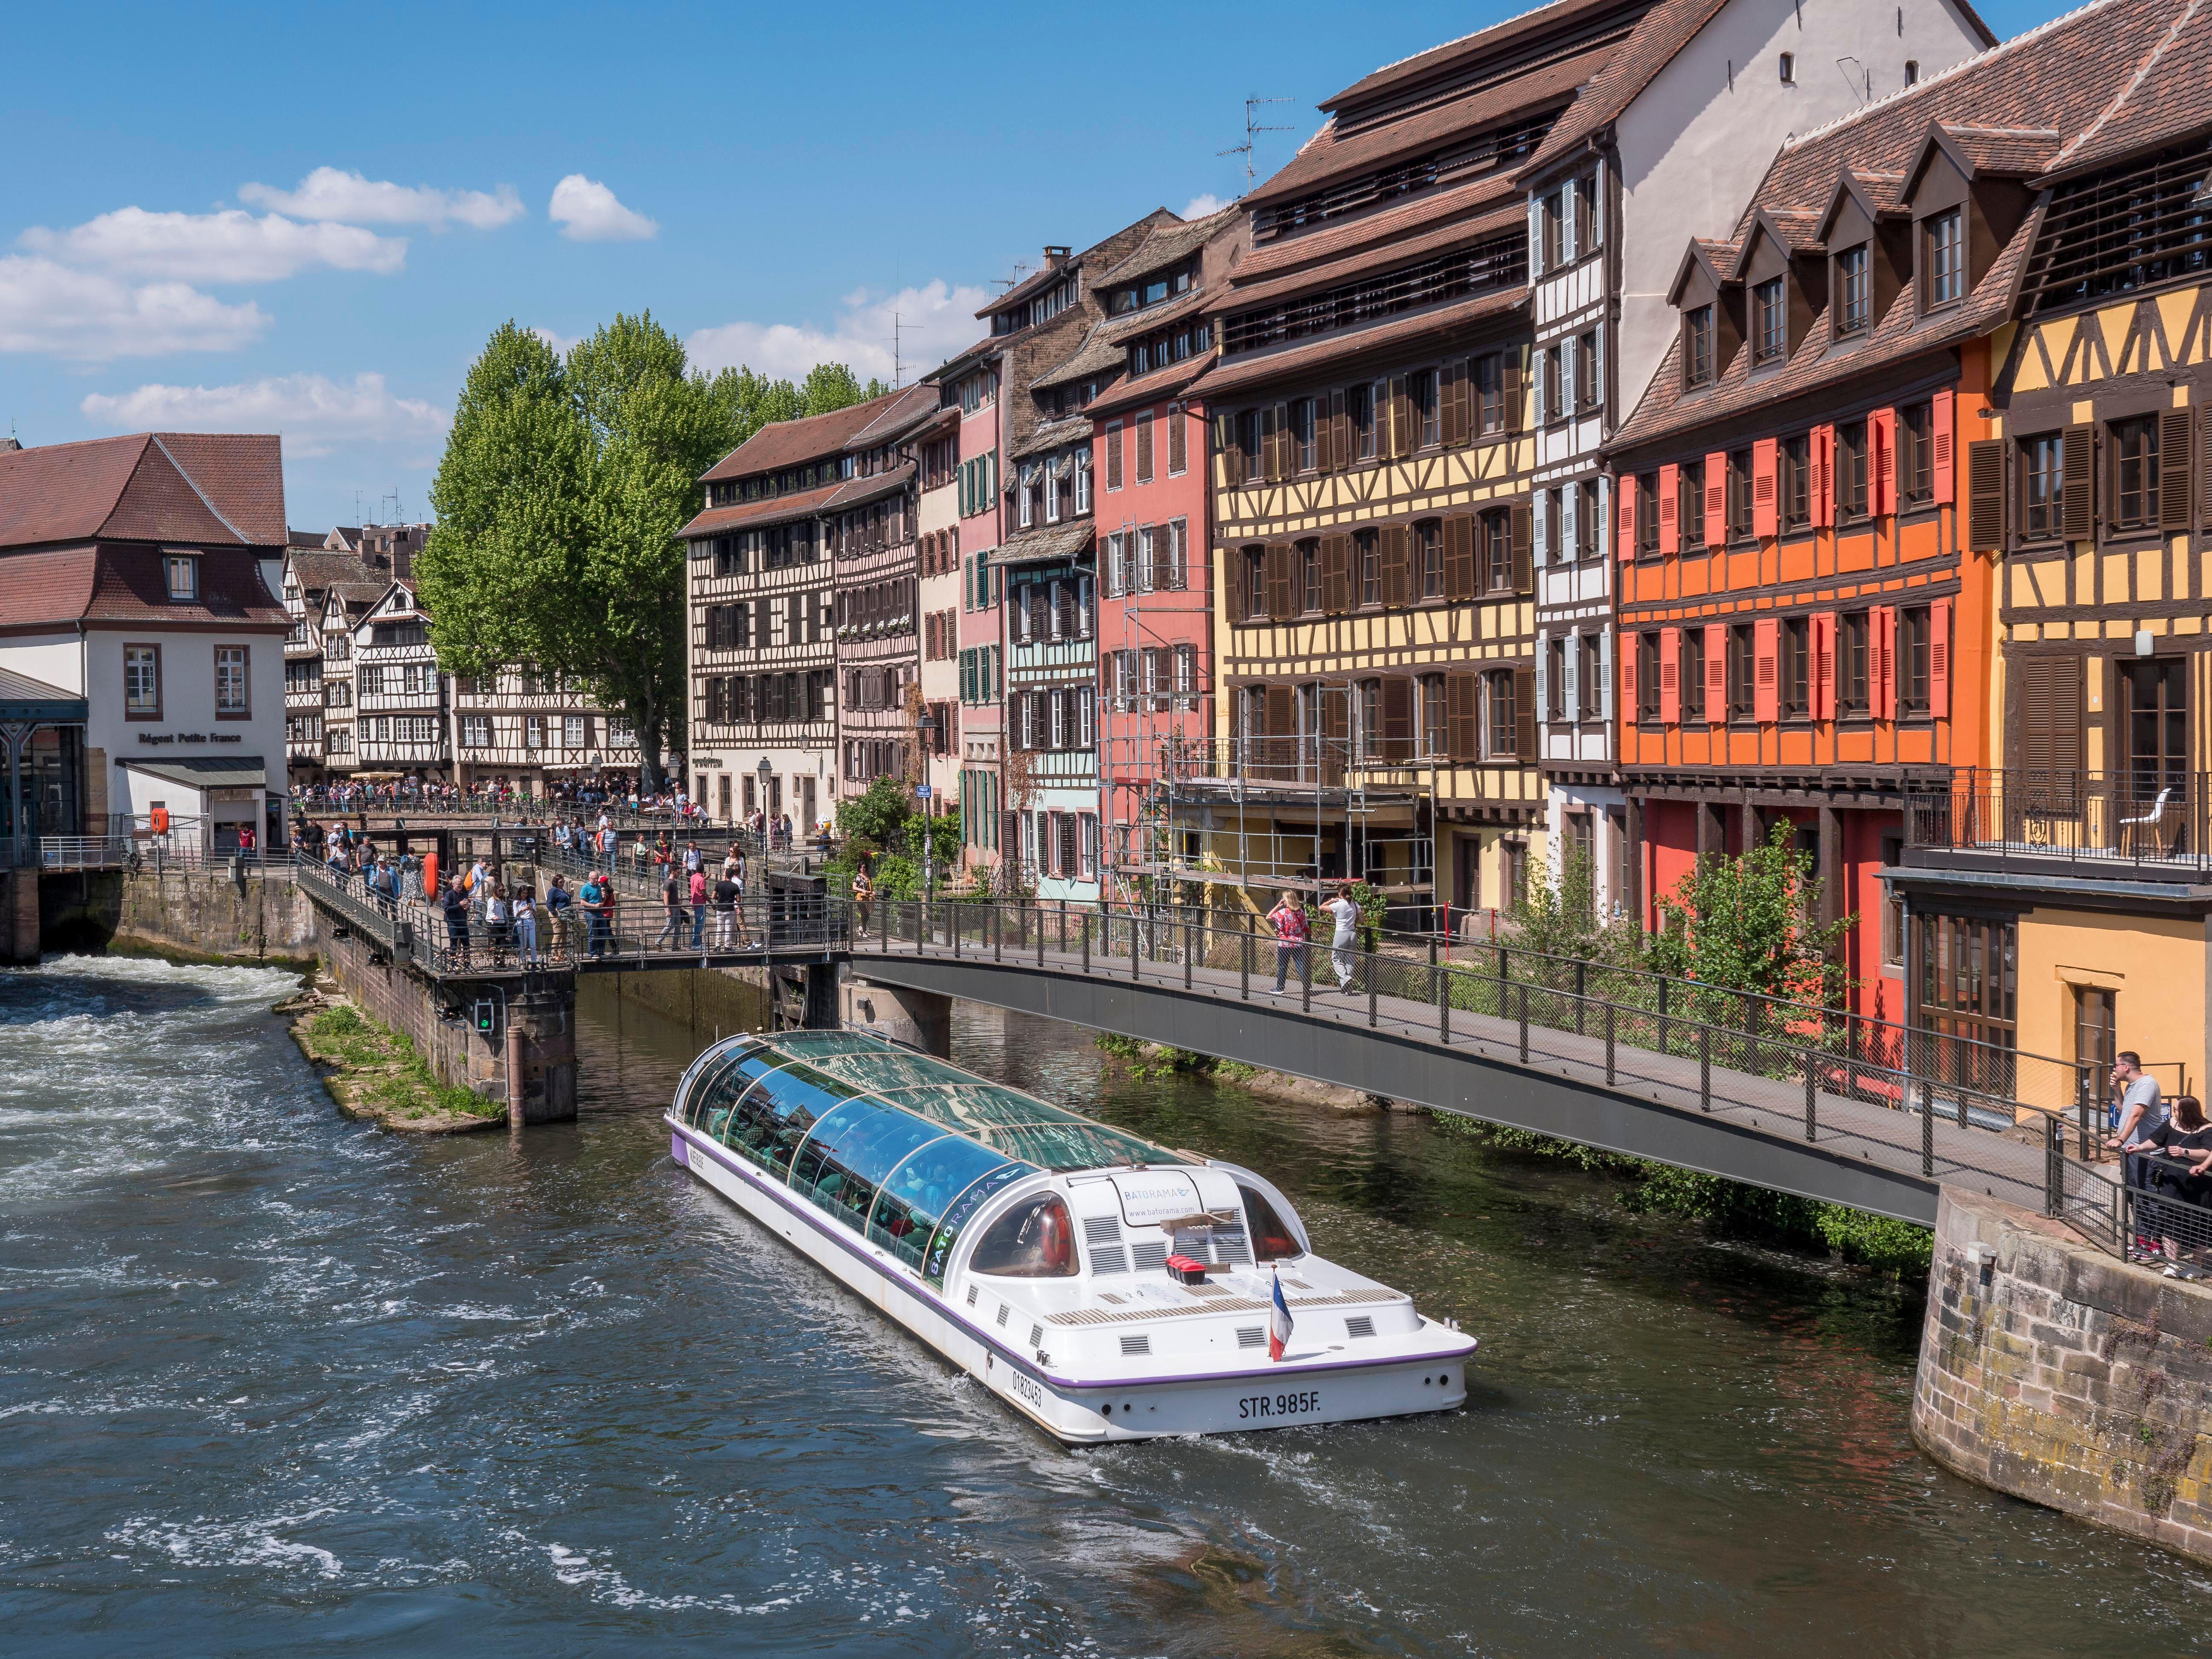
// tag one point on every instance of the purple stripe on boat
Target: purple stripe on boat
(677, 1150)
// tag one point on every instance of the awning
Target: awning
(22, 698)
(206, 771)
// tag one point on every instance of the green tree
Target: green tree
(1751, 923)
(1557, 914)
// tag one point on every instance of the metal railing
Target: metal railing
(2109, 822)
(2147, 1208)
(85, 852)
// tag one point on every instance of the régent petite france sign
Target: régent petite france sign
(192, 736)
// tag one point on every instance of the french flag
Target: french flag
(1279, 1322)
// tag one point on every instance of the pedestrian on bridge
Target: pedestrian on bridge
(1347, 936)
(455, 905)
(671, 900)
(596, 897)
(863, 890)
(526, 926)
(726, 911)
(1289, 919)
(695, 885)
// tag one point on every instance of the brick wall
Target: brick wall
(2058, 1373)
(206, 912)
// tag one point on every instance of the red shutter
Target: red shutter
(1940, 426)
(1881, 463)
(1881, 671)
(1624, 533)
(1765, 475)
(1670, 499)
(1822, 449)
(1824, 666)
(1670, 676)
(1716, 499)
(1939, 659)
(1625, 648)
(1717, 708)
(1765, 700)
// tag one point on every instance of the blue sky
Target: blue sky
(308, 218)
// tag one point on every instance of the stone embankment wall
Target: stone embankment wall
(2051, 1370)
(205, 913)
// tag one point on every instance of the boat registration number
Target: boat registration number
(1278, 1405)
(1026, 1388)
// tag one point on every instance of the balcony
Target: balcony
(2127, 826)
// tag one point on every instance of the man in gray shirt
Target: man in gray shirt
(2141, 1109)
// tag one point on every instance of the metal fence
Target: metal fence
(2155, 820)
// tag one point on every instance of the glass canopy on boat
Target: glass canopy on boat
(898, 1146)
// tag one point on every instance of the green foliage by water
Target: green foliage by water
(882, 829)
(1751, 923)
(383, 1070)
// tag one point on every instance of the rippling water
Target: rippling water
(270, 1378)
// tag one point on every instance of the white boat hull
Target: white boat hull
(1311, 1384)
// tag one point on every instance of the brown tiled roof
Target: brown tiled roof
(2168, 98)
(138, 489)
(1053, 434)
(1479, 195)
(1034, 284)
(2007, 152)
(305, 538)
(854, 492)
(904, 412)
(1106, 347)
(242, 475)
(1440, 66)
(45, 588)
(1663, 33)
(1050, 544)
(752, 515)
(319, 571)
(1167, 245)
(112, 584)
(1299, 357)
(810, 438)
(1510, 217)
(1151, 388)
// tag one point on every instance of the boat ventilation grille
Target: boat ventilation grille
(1101, 1230)
(971, 1296)
(1359, 1325)
(1231, 1247)
(1002, 1313)
(1150, 1254)
(1133, 1345)
(1111, 1259)
(1036, 1334)
(1251, 1336)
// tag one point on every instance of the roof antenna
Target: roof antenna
(898, 368)
(1010, 283)
(1251, 127)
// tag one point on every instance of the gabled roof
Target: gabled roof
(810, 438)
(1873, 200)
(318, 570)
(1979, 152)
(1715, 259)
(190, 488)
(1168, 243)
(904, 412)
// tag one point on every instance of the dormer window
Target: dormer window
(1769, 322)
(1697, 346)
(1854, 289)
(1943, 245)
(183, 573)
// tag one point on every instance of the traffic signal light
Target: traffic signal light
(487, 1018)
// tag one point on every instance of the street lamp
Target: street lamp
(767, 775)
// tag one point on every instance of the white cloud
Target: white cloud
(329, 193)
(586, 211)
(315, 414)
(932, 323)
(53, 310)
(1203, 206)
(228, 246)
(562, 344)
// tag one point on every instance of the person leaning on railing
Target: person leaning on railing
(2172, 1163)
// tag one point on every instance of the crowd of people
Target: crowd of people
(2165, 1155)
(431, 795)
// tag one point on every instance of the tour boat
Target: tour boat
(1106, 1288)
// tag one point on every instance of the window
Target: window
(1739, 494)
(1308, 576)
(1360, 399)
(1587, 519)
(1943, 252)
(1497, 552)
(1969, 988)
(1428, 413)
(2157, 696)
(1794, 456)
(2041, 485)
(1647, 678)
(1693, 676)
(1769, 322)
(1551, 221)
(1555, 393)
(2135, 473)
(1854, 684)
(1851, 470)
(1789, 69)
(1588, 694)
(142, 682)
(1586, 371)
(1690, 505)
(1854, 290)
(1697, 346)
(1647, 516)
(1742, 670)
(1489, 394)
(1555, 522)
(1916, 454)
(1435, 742)
(1796, 665)
(1914, 640)
(1302, 433)
(230, 694)
(1367, 548)
(183, 573)
(1428, 557)
(1503, 727)
(1255, 584)
(1912, 79)
(476, 730)
(1555, 678)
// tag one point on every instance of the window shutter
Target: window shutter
(1604, 518)
(1178, 438)
(1939, 659)
(1524, 714)
(1336, 574)
(1401, 417)
(1455, 423)
(1339, 430)
(1765, 483)
(1567, 542)
(1268, 471)
(1629, 701)
(1985, 472)
(1324, 435)
(1716, 500)
(1717, 708)
(1624, 535)
(2051, 712)
(1824, 666)
(1549, 697)
(1535, 237)
(1524, 577)
(1605, 674)
(1542, 533)
(1822, 449)
(2078, 498)
(1881, 461)
(1570, 349)
(1397, 719)
(1670, 500)
(1881, 673)
(1224, 446)
(1765, 692)
(1941, 424)
(1397, 565)
(2204, 481)
(1281, 713)
(2172, 480)
(1459, 558)
(1670, 676)
(1462, 726)
(1145, 448)
(1513, 393)
(1281, 605)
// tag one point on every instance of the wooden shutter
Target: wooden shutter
(1670, 502)
(1462, 716)
(1623, 534)
(1524, 713)
(1324, 435)
(1881, 670)
(1524, 573)
(1457, 425)
(2173, 479)
(2077, 505)
(1268, 431)
(1178, 438)
(1765, 700)
(1397, 565)
(1881, 461)
(1459, 558)
(1397, 719)
(1511, 373)
(2051, 714)
(1336, 574)
(1717, 708)
(1277, 580)
(1943, 422)
(1824, 666)
(1939, 659)
(1766, 486)
(1629, 702)
(1145, 448)
(1985, 495)
(1340, 428)
(1821, 449)
(1716, 500)
(1224, 445)
(1670, 676)
(1401, 417)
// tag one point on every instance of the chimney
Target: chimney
(1054, 257)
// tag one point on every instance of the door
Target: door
(2152, 796)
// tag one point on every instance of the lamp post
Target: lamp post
(767, 775)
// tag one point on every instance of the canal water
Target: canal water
(271, 1379)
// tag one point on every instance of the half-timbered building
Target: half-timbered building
(399, 696)
(871, 530)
